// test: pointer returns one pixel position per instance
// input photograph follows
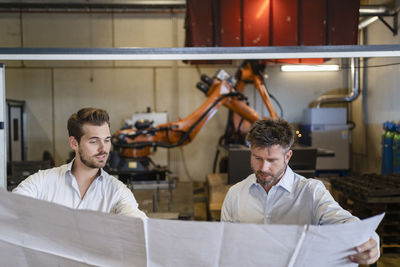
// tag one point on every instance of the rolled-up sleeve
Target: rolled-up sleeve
(29, 186)
(226, 215)
(127, 204)
(326, 209)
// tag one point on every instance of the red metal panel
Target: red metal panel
(231, 21)
(256, 18)
(343, 22)
(271, 22)
(312, 26)
(312, 60)
(199, 26)
(313, 22)
(285, 24)
(199, 23)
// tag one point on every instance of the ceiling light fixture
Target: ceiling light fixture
(309, 67)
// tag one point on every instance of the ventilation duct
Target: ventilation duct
(355, 76)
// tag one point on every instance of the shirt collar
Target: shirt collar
(100, 177)
(102, 174)
(69, 165)
(286, 182)
(253, 180)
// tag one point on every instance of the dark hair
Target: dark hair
(269, 132)
(91, 116)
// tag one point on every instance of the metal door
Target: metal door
(15, 133)
(3, 149)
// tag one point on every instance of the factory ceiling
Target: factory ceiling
(12, 4)
(92, 4)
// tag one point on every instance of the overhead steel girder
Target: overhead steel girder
(57, 4)
(200, 53)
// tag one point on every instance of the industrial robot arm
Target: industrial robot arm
(221, 90)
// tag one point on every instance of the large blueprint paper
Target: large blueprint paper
(38, 233)
(329, 245)
(176, 243)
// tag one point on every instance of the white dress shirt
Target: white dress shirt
(293, 200)
(58, 185)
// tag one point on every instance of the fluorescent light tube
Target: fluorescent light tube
(309, 67)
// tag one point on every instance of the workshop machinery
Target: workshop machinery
(328, 128)
(133, 146)
(370, 194)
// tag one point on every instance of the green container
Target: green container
(396, 150)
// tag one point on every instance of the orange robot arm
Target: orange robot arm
(220, 91)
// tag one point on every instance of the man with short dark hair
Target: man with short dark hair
(83, 184)
(274, 194)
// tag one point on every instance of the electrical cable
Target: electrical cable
(215, 161)
(372, 66)
(352, 125)
(185, 166)
(198, 70)
(277, 103)
(239, 126)
(272, 96)
(259, 69)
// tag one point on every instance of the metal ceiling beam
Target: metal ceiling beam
(92, 4)
(365, 10)
(200, 53)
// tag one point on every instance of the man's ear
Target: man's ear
(288, 155)
(73, 143)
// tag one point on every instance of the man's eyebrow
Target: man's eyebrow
(96, 137)
(260, 156)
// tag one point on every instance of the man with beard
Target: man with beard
(274, 194)
(83, 184)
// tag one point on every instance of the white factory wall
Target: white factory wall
(55, 89)
(295, 90)
(378, 103)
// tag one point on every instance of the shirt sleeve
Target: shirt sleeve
(127, 204)
(226, 211)
(326, 209)
(376, 237)
(30, 186)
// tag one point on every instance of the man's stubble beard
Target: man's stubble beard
(91, 163)
(273, 180)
